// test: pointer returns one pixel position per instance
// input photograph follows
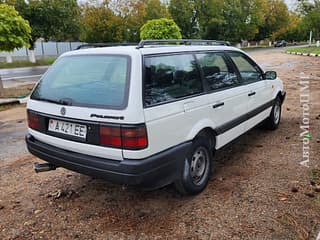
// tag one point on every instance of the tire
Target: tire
(273, 121)
(197, 168)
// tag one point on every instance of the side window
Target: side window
(249, 72)
(216, 71)
(170, 77)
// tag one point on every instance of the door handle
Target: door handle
(218, 105)
(251, 94)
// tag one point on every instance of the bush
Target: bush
(162, 28)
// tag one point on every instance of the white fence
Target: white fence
(43, 49)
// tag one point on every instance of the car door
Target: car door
(259, 90)
(227, 98)
(174, 99)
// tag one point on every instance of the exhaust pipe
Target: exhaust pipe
(43, 167)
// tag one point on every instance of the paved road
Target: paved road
(30, 73)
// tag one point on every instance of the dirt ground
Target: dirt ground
(259, 189)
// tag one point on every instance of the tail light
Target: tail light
(33, 120)
(134, 138)
(110, 136)
(126, 137)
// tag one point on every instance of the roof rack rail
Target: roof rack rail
(96, 45)
(142, 43)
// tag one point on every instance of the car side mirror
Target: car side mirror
(270, 75)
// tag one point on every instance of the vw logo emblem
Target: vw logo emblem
(63, 111)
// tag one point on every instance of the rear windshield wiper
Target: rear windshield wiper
(64, 101)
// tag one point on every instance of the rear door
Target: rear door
(173, 99)
(226, 98)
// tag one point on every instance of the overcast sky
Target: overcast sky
(290, 3)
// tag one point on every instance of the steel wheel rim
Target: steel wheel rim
(199, 165)
(276, 113)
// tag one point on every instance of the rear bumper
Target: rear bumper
(149, 173)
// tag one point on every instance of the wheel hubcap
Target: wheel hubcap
(198, 165)
(276, 113)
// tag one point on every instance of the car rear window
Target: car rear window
(86, 80)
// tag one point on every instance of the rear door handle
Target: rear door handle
(251, 94)
(218, 105)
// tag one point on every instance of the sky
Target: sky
(290, 3)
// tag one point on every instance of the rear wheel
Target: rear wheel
(197, 168)
(273, 121)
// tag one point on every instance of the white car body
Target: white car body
(228, 113)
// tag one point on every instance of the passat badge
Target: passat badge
(63, 111)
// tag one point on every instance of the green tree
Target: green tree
(14, 31)
(211, 20)
(306, 6)
(162, 28)
(155, 9)
(118, 20)
(312, 23)
(294, 31)
(242, 19)
(184, 14)
(276, 18)
(231, 20)
(134, 13)
(134, 18)
(100, 24)
(50, 19)
(309, 12)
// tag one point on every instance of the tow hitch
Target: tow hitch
(43, 167)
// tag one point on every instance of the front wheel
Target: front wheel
(273, 121)
(197, 168)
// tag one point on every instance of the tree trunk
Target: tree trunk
(32, 57)
(9, 57)
(1, 88)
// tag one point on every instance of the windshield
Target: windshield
(86, 80)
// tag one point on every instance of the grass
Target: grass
(255, 47)
(26, 63)
(314, 50)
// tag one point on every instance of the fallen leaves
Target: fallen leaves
(62, 194)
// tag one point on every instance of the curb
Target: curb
(12, 101)
(5, 102)
(304, 54)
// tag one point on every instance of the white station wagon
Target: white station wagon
(149, 115)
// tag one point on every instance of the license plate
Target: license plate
(68, 128)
